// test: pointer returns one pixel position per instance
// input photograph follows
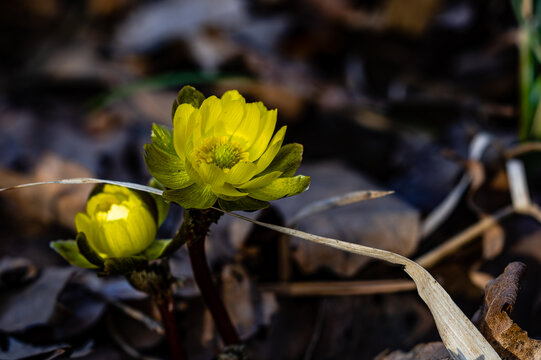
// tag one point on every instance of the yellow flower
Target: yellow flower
(223, 149)
(117, 222)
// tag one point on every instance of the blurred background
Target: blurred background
(382, 94)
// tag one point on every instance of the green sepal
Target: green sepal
(167, 168)
(187, 95)
(194, 196)
(122, 265)
(243, 204)
(162, 137)
(70, 252)
(281, 187)
(157, 249)
(161, 205)
(287, 160)
(86, 250)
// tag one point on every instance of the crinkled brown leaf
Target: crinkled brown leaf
(509, 340)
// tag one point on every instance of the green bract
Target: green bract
(223, 149)
(117, 232)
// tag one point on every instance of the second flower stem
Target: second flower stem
(166, 306)
(195, 228)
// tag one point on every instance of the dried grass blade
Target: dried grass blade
(144, 188)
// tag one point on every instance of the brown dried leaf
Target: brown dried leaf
(509, 340)
(54, 203)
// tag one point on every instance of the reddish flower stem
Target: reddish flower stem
(194, 229)
(167, 311)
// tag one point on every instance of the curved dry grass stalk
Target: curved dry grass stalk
(144, 188)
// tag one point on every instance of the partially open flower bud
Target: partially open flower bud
(117, 223)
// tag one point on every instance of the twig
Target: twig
(450, 246)
(339, 288)
(522, 149)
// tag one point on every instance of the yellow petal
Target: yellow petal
(232, 95)
(115, 238)
(247, 132)
(142, 229)
(194, 132)
(180, 125)
(261, 181)
(230, 119)
(268, 123)
(84, 224)
(241, 172)
(210, 110)
(272, 150)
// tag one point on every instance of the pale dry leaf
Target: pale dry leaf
(520, 195)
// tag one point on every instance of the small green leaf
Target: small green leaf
(244, 204)
(162, 137)
(282, 187)
(156, 249)
(68, 250)
(167, 168)
(187, 95)
(86, 250)
(287, 160)
(122, 265)
(194, 196)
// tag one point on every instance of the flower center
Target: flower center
(221, 152)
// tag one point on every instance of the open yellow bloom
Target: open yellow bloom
(117, 222)
(225, 150)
